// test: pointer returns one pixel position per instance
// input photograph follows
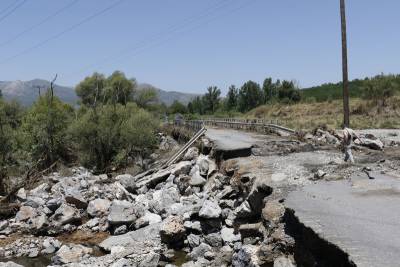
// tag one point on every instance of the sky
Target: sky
(188, 45)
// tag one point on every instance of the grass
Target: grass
(363, 114)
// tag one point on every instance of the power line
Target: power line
(8, 7)
(59, 11)
(12, 10)
(72, 27)
(169, 30)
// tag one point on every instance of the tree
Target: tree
(232, 98)
(196, 106)
(267, 89)
(146, 96)
(177, 107)
(119, 89)
(288, 92)
(211, 99)
(379, 89)
(44, 130)
(250, 96)
(91, 89)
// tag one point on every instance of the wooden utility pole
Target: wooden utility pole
(346, 109)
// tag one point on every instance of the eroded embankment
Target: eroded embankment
(312, 250)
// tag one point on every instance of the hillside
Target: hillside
(27, 91)
(332, 91)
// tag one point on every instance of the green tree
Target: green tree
(379, 89)
(146, 96)
(177, 107)
(250, 96)
(211, 99)
(268, 88)
(232, 98)
(44, 130)
(119, 89)
(289, 92)
(196, 106)
(91, 89)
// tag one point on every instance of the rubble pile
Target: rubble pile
(211, 216)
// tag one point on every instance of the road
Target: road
(361, 216)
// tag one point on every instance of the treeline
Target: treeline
(371, 88)
(111, 127)
(245, 98)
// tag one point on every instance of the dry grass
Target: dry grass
(306, 116)
(83, 237)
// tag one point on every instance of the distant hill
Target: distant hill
(26, 92)
(168, 97)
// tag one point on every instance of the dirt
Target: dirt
(83, 237)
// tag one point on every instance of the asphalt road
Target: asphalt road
(229, 140)
(361, 216)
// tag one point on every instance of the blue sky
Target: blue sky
(187, 45)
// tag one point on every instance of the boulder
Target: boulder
(283, 262)
(196, 179)
(38, 222)
(153, 179)
(182, 167)
(98, 207)
(228, 235)
(246, 257)
(191, 154)
(210, 210)
(127, 181)
(25, 213)
(172, 230)
(203, 165)
(124, 212)
(147, 219)
(199, 251)
(193, 240)
(66, 214)
(140, 245)
(164, 198)
(273, 212)
(21, 194)
(213, 239)
(71, 253)
(75, 198)
(371, 143)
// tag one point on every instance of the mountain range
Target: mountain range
(26, 92)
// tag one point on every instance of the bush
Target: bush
(110, 134)
(44, 130)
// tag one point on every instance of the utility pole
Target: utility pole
(346, 109)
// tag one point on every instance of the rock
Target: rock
(21, 194)
(273, 212)
(153, 179)
(319, 174)
(203, 165)
(127, 181)
(25, 213)
(124, 212)
(210, 210)
(40, 190)
(172, 230)
(194, 226)
(191, 154)
(163, 199)
(75, 198)
(246, 257)
(182, 167)
(120, 230)
(373, 144)
(228, 235)
(50, 245)
(71, 254)
(53, 204)
(197, 180)
(3, 225)
(38, 222)
(140, 245)
(213, 239)
(147, 219)
(122, 263)
(244, 210)
(259, 191)
(98, 207)
(9, 264)
(199, 251)
(66, 214)
(283, 262)
(193, 240)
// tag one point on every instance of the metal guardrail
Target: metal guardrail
(239, 124)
